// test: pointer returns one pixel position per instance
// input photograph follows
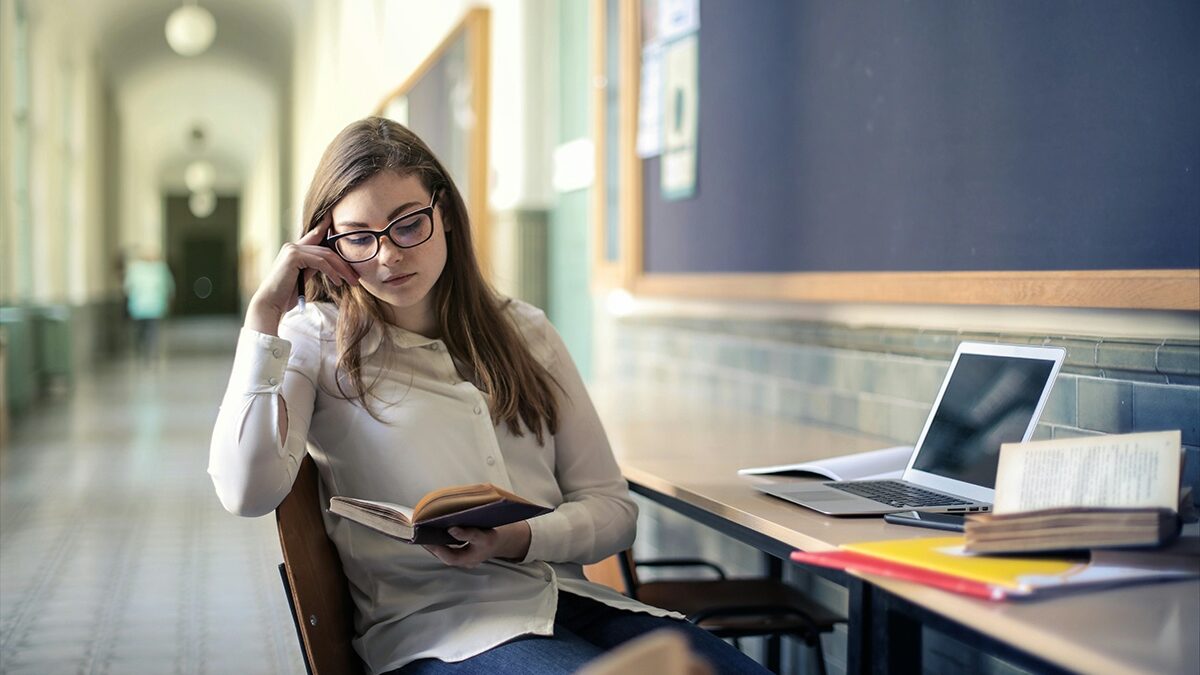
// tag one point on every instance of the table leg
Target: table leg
(859, 630)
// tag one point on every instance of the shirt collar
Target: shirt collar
(404, 339)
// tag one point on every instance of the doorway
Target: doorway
(202, 254)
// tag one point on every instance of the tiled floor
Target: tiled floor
(115, 555)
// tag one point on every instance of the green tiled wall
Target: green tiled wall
(882, 381)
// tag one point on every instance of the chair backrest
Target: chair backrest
(616, 571)
(320, 594)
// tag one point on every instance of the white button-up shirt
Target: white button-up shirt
(436, 431)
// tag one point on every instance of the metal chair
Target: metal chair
(316, 587)
(728, 608)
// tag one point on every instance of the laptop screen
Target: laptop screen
(989, 400)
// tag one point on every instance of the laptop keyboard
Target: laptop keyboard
(896, 494)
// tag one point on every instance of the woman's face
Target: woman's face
(401, 277)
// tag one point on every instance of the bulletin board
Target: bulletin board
(1015, 153)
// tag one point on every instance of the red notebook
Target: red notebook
(849, 560)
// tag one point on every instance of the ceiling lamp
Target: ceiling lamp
(199, 175)
(202, 204)
(190, 30)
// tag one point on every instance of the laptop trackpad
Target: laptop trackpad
(825, 495)
(834, 496)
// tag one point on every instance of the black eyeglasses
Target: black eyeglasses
(409, 230)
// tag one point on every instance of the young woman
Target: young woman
(405, 373)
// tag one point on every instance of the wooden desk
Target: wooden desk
(686, 458)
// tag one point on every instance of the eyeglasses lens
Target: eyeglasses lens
(357, 247)
(406, 233)
(410, 231)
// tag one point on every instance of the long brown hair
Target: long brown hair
(471, 316)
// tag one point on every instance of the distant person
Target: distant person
(149, 288)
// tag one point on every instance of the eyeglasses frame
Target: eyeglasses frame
(385, 232)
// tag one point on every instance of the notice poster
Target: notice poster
(668, 94)
(681, 103)
(650, 115)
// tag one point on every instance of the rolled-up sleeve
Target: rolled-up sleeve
(251, 466)
(597, 517)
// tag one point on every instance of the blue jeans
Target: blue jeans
(583, 630)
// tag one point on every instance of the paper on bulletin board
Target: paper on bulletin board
(677, 18)
(650, 112)
(681, 103)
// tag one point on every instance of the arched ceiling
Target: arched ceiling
(237, 89)
(160, 105)
(130, 33)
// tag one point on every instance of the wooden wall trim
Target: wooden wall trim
(630, 171)
(427, 63)
(479, 58)
(1126, 289)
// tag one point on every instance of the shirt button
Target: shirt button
(276, 352)
(491, 460)
(272, 381)
(478, 410)
(434, 346)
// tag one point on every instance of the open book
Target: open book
(481, 505)
(1081, 493)
(873, 464)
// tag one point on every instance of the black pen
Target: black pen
(300, 291)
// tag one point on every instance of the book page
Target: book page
(871, 464)
(1127, 470)
(386, 510)
(454, 498)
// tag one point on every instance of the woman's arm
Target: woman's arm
(261, 429)
(598, 517)
(262, 426)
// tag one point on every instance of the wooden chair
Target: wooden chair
(728, 608)
(316, 586)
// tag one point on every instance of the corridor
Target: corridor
(115, 555)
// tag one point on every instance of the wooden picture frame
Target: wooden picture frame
(471, 35)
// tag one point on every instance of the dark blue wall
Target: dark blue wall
(932, 135)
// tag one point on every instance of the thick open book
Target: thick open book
(873, 464)
(481, 505)
(1082, 493)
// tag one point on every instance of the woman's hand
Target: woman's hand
(277, 292)
(509, 542)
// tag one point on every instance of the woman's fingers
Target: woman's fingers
(336, 268)
(323, 260)
(315, 235)
(479, 546)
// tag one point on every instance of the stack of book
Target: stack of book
(1065, 529)
(1082, 493)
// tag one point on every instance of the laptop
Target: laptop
(992, 394)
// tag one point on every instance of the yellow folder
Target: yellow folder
(945, 555)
